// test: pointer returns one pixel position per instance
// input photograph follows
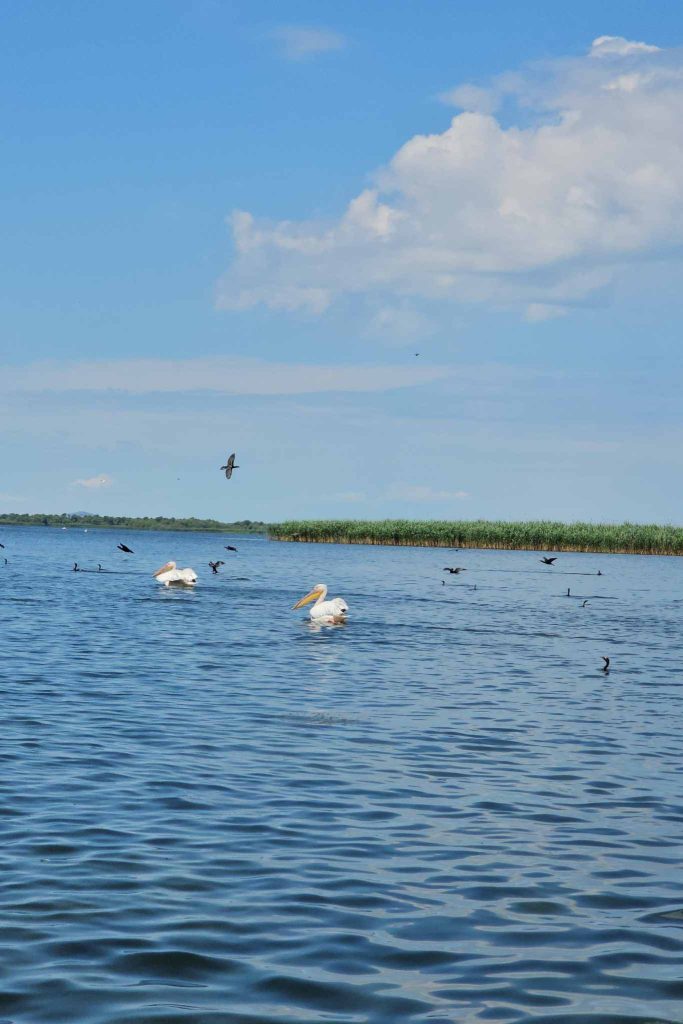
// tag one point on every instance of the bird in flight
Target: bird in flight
(605, 667)
(124, 547)
(455, 571)
(229, 466)
(214, 566)
(229, 547)
(548, 561)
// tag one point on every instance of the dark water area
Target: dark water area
(443, 811)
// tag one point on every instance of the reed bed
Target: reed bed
(624, 538)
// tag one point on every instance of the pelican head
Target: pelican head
(165, 568)
(318, 593)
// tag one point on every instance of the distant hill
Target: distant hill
(128, 522)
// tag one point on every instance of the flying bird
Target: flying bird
(169, 574)
(124, 547)
(455, 571)
(605, 667)
(328, 612)
(229, 547)
(215, 565)
(548, 561)
(229, 466)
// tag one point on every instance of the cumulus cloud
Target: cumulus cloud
(541, 213)
(93, 482)
(297, 42)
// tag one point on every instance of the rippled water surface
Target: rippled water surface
(441, 812)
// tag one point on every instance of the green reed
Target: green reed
(540, 535)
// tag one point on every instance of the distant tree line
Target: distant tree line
(129, 522)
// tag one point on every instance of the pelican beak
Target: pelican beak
(305, 600)
(164, 568)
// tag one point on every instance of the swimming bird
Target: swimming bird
(99, 567)
(605, 667)
(169, 574)
(548, 561)
(229, 547)
(569, 593)
(584, 604)
(214, 566)
(329, 612)
(2, 545)
(124, 547)
(75, 568)
(229, 466)
(455, 571)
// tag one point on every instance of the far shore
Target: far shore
(533, 535)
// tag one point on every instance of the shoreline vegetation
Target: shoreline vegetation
(615, 538)
(83, 519)
(541, 535)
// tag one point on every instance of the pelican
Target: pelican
(329, 612)
(168, 574)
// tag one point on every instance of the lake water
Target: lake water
(441, 812)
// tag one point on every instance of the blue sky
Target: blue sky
(232, 225)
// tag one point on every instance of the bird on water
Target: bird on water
(584, 604)
(605, 667)
(169, 574)
(455, 571)
(328, 612)
(548, 561)
(2, 545)
(75, 568)
(124, 547)
(229, 466)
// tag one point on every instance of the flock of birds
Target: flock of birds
(322, 611)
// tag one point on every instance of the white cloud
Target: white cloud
(219, 374)
(297, 42)
(536, 312)
(93, 482)
(349, 496)
(617, 46)
(538, 216)
(420, 493)
(471, 97)
(399, 325)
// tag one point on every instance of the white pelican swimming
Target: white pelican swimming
(168, 574)
(324, 611)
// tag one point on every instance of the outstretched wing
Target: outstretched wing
(229, 466)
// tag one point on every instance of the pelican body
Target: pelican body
(169, 574)
(328, 612)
